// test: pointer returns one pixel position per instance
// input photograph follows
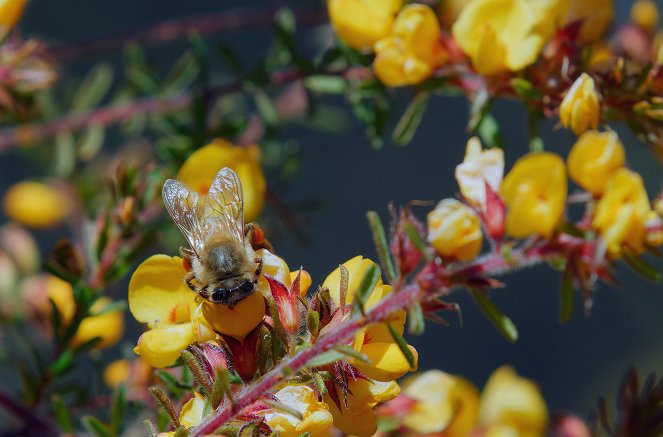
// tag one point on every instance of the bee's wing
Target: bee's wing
(185, 208)
(226, 200)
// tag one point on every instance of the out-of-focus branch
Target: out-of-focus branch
(172, 30)
(108, 115)
(32, 422)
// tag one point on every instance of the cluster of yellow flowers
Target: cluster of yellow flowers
(535, 195)
(437, 403)
(497, 35)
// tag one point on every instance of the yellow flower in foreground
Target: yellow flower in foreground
(478, 168)
(593, 158)
(10, 12)
(358, 418)
(387, 362)
(454, 230)
(201, 167)
(501, 35)
(107, 325)
(535, 194)
(622, 212)
(444, 403)
(644, 13)
(360, 23)
(512, 406)
(413, 49)
(580, 110)
(36, 204)
(316, 418)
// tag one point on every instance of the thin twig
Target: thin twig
(172, 30)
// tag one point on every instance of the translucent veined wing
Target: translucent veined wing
(226, 201)
(187, 211)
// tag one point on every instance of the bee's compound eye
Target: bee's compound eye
(217, 296)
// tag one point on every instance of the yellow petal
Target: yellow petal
(238, 321)
(356, 269)
(316, 418)
(158, 293)
(192, 412)
(273, 266)
(594, 158)
(10, 12)
(387, 362)
(117, 372)
(36, 204)
(161, 346)
(108, 326)
(360, 23)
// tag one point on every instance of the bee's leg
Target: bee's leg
(258, 272)
(189, 281)
(256, 237)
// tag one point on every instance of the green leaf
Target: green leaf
(566, 295)
(91, 141)
(232, 59)
(61, 413)
(480, 106)
(327, 357)
(381, 245)
(96, 427)
(641, 267)
(119, 408)
(402, 345)
(416, 319)
(524, 89)
(416, 239)
(410, 120)
(183, 74)
(63, 363)
(171, 382)
(366, 286)
(282, 408)
(265, 107)
(93, 88)
(350, 352)
(326, 84)
(221, 387)
(319, 383)
(64, 160)
(503, 324)
(489, 131)
(313, 322)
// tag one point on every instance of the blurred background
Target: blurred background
(574, 363)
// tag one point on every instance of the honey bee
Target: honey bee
(221, 261)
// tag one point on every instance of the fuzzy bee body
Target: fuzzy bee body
(223, 268)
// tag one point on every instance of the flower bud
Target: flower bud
(454, 230)
(581, 110)
(644, 13)
(406, 254)
(287, 303)
(594, 158)
(360, 23)
(622, 212)
(244, 353)
(480, 167)
(36, 204)
(19, 244)
(535, 194)
(569, 425)
(10, 12)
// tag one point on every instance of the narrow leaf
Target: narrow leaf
(350, 352)
(326, 84)
(416, 317)
(366, 286)
(503, 324)
(410, 120)
(566, 295)
(416, 239)
(283, 408)
(91, 141)
(642, 267)
(319, 383)
(93, 88)
(381, 244)
(167, 405)
(327, 357)
(402, 345)
(96, 427)
(119, 408)
(61, 413)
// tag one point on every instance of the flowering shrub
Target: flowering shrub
(236, 337)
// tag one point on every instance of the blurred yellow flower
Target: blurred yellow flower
(478, 168)
(134, 374)
(580, 110)
(454, 230)
(36, 204)
(449, 10)
(502, 35)
(594, 157)
(535, 194)
(622, 212)
(360, 23)
(10, 12)
(596, 16)
(412, 50)
(600, 54)
(512, 406)
(387, 362)
(644, 13)
(444, 403)
(20, 245)
(358, 418)
(107, 325)
(316, 418)
(201, 167)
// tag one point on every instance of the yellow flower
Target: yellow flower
(654, 225)
(444, 403)
(134, 374)
(596, 16)
(502, 35)
(580, 110)
(358, 418)
(449, 11)
(107, 325)
(413, 49)
(535, 193)
(201, 167)
(593, 158)
(478, 168)
(644, 13)
(360, 23)
(454, 230)
(600, 54)
(10, 12)
(387, 362)
(316, 418)
(512, 406)
(622, 212)
(36, 204)
(159, 297)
